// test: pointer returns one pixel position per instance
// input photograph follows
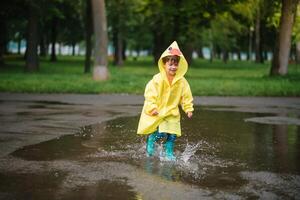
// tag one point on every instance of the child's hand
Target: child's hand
(189, 114)
(154, 112)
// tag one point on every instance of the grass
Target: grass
(236, 78)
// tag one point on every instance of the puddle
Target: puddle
(279, 120)
(220, 155)
(46, 186)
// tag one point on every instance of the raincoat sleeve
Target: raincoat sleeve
(150, 97)
(187, 98)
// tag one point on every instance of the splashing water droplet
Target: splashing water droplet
(188, 152)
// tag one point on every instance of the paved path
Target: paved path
(32, 118)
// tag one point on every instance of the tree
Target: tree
(3, 37)
(254, 11)
(258, 17)
(224, 33)
(55, 13)
(71, 23)
(283, 42)
(54, 25)
(139, 35)
(118, 9)
(10, 15)
(32, 59)
(297, 35)
(88, 36)
(100, 71)
(181, 21)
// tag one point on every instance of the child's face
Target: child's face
(171, 67)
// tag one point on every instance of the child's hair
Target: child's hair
(174, 59)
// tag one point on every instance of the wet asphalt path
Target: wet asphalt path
(28, 119)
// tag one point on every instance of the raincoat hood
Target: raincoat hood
(173, 50)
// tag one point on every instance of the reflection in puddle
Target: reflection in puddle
(219, 156)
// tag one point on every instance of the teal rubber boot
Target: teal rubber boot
(151, 144)
(169, 149)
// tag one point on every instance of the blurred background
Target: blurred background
(258, 38)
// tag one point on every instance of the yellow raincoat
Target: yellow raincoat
(166, 98)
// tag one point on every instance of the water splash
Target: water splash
(189, 151)
(193, 160)
(184, 157)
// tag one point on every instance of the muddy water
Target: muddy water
(219, 156)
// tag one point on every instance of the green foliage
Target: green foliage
(138, 33)
(224, 30)
(246, 9)
(237, 78)
(147, 24)
(296, 28)
(274, 18)
(71, 24)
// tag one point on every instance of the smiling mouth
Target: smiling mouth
(172, 72)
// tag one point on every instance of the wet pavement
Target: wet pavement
(85, 147)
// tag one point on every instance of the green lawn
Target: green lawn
(236, 78)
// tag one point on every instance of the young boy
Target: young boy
(160, 117)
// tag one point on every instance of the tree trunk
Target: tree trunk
(42, 45)
(88, 36)
(298, 52)
(53, 57)
(283, 42)
(211, 46)
(225, 56)
(3, 35)
(59, 48)
(119, 58)
(292, 54)
(47, 47)
(249, 55)
(32, 61)
(200, 52)
(211, 53)
(188, 52)
(118, 42)
(258, 54)
(19, 45)
(265, 53)
(158, 44)
(73, 49)
(124, 51)
(100, 71)
(118, 47)
(239, 55)
(115, 44)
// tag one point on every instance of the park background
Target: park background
(58, 144)
(234, 47)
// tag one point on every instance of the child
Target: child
(160, 117)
